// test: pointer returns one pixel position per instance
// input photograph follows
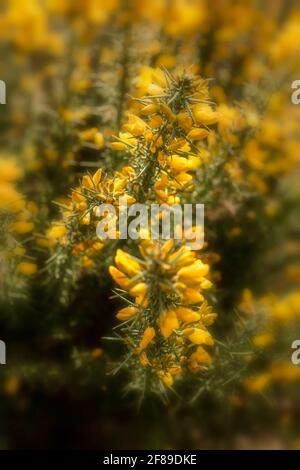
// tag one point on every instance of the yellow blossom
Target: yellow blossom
(148, 336)
(21, 226)
(27, 268)
(56, 232)
(126, 313)
(199, 336)
(168, 323)
(204, 114)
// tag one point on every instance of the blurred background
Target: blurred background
(70, 68)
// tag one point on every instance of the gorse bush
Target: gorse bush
(160, 104)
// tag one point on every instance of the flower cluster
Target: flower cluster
(166, 129)
(16, 225)
(164, 140)
(166, 325)
(76, 230)
(279, 318)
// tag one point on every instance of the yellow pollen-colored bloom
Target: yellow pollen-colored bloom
(148, 336)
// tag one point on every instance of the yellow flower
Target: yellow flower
(125, 141)
(199, 358)
(263, 340)
(258, 383)
(178, 164)
(127, 263)
(21, 226)
(148, 336)
(126, 313)
(206, 315)
(189, 296)
(97, 177)
(135, 125)
(88, 134)
(168, 323)
(27, 268)
(139, 291)
(119, 277)
(166, 378)
(199, 336)
(198, 134)
(10, 171)
(87, 262)
(187, 315)
(149, 109)
(282, 371)
(144, 359)
(10, 199)
(204, 114)
(56, 232)
(99, 140)
(11, 386)
(227, 118)
(194, 273)
(44, 242)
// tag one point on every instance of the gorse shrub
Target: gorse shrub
(116, 106)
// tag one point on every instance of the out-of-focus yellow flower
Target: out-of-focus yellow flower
(184, 17)
(258, 383)
(9, 169)
(286, 45)
(43, 242)
(21, 226)
(292, 272)
(88, 134)
(99, 140)
(96, 353)
(11, 386)
(287, 308)
(263, 340)
(27, 268)
(235, 232)
(56, 232)
(10, 199)
(284, 372)
(228, 118)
